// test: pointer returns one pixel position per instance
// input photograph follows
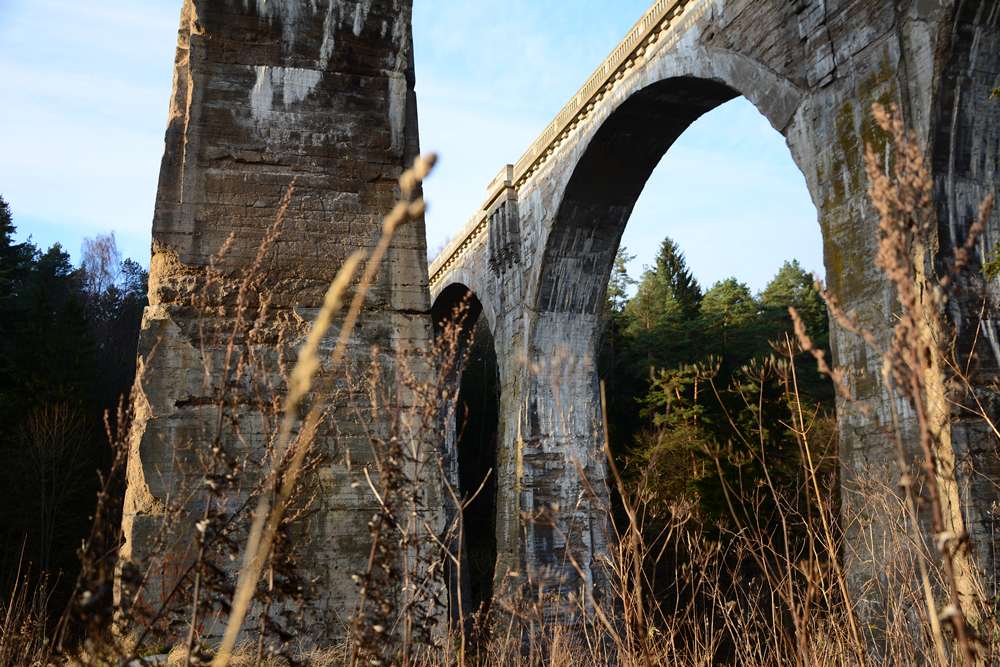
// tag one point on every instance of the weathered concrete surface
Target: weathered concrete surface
(539, 253)
(267, 92)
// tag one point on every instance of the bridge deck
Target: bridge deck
(655, 24)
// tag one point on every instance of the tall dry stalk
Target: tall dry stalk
(915, 363)
(751, 596)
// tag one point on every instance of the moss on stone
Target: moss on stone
(847, 141)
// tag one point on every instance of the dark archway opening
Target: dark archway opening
(457, 312)
(477, 421)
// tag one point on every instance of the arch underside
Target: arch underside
(607, 182)
(565, 412)
(573, 212)
(472, 440)
(456, 303)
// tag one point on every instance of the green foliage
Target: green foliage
(667, 293)
(699, 390)
(16, 260)
(672, 269)
(991, 268)
(793, 287)
(652, 305)
(621, 282)
(671, 452)
(729, 303)
(718, 434)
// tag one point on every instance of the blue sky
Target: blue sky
(86, 87)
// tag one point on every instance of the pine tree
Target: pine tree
(667, 293)
(620, 281)
(729, 323)
(652, 305)
(55, 354)
(672, 269)
(792, 286)
(67, 353)
(728, 303)
(15, 259)
(7, 228)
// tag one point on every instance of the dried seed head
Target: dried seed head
(416, 209)
(424, 164)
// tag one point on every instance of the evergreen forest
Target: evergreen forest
(68, 340)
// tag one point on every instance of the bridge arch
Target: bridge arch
(597, 186)
(605, 182)
(471, 448)
(463, 285)
(452, 299)
(588, 197)
(558, 212)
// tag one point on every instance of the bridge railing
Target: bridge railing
(654, 24)
(656, 19)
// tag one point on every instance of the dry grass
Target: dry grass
(751, 594)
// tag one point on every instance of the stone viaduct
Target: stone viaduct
(537, 255)
(270, 94)
(320, 95)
